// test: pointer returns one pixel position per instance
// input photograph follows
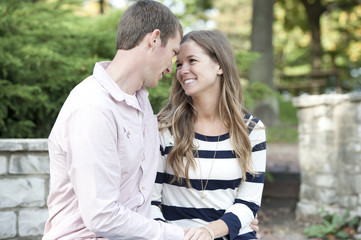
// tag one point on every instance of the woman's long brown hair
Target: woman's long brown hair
(179, 115)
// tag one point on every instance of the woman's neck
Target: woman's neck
(209, 121)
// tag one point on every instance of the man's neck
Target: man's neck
(124, 70)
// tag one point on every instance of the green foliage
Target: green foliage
(340, 227)
(192, 9)
(287, 132)
(339, 27)
(45, 51)
(282, 134)
(159, 96)
(255, 92)
(288, 112)
(244, 60)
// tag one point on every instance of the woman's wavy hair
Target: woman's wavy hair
(179, 114)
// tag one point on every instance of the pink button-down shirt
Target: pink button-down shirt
(104, 152)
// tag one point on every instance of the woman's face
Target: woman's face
(198, 74)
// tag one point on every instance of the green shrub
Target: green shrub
(45, 51)
(334, 226)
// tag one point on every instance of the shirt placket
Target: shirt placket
(141, 186)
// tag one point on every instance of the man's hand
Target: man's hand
(198, 234)
(254, 226)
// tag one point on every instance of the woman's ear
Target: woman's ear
(219, 71)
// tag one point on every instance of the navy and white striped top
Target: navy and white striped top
(225, 198)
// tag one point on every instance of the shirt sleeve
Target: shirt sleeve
(94, 168)
(249, 195)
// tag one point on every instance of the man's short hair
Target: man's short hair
(142, 18)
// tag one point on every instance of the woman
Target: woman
(211, 177)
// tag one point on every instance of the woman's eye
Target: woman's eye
(178, 65)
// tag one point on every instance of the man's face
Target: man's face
(162, 62)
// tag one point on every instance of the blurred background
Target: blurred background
(283, 49)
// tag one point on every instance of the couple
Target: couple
(107, 175)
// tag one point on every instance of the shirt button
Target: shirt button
(143, 188)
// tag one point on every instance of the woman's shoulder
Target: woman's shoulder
(252, 121)
(166, 138)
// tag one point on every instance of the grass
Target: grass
(287, 131)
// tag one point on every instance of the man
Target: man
(104, 145)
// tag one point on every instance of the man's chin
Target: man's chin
(153, 85)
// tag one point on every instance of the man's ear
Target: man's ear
(155, 38)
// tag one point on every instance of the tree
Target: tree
(45, 51)
(332, 27)
(262, 69)
(315, 9)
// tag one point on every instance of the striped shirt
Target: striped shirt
(236, 204)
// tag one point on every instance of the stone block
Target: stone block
(351, 168)
(32, 222)
(349, 184)
(307, 211)
(29, 163)
(358, 131)
(358, 112)
(325, 180)
(348, 202)
(28, 192)
(13, 145)
(304, 141)
(318, 160)
(327, 196)
(3, 164)
(324, 124)
(324, 140)
(308, 192)
(351, 153)
(320, 140)
(7, 224)
(355, 97)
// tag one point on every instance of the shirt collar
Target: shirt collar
(114, 90)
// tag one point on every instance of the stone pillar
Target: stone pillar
(329, 154)
(24, 187)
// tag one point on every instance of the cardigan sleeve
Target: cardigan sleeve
(249, 195)
(156, 208)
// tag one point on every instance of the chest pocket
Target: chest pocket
(130, 148)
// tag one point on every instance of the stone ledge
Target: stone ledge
(13, 145)
(325, 99)
(355, 97)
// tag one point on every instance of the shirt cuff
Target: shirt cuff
(172, 232)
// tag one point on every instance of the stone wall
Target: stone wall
(329, 154)
(24, 187)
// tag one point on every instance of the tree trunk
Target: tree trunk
(262, 70)
(101, 6)
(314, 10)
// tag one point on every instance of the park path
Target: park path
(277, 213)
